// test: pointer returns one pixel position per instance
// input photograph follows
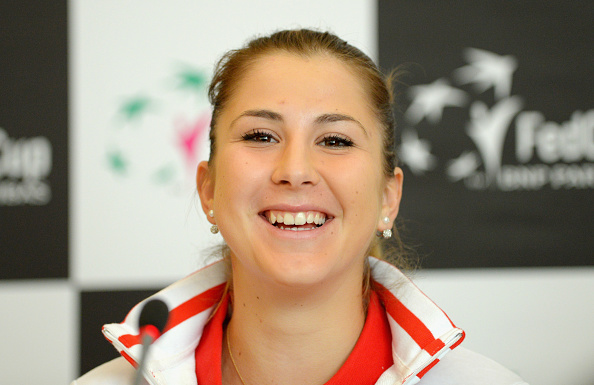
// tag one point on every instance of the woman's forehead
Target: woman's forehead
(321, 78)
(278, 61)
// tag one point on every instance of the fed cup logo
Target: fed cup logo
(25, 165)
(156, 135)
(558, 155)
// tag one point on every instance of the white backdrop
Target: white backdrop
(135, 81)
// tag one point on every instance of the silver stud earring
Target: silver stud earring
(214, 228)
(387, 234)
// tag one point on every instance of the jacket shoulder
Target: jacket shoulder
(115, 372)
(464, 367)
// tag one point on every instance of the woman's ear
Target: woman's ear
(205, 188)
(392, 196)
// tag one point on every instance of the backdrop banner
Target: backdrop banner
(33, 140)
(496, 130)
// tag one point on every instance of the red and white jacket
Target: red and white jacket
(422, 334)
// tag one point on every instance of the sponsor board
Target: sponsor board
(496, 131)
(33, 141)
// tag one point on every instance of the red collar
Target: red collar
(371, 356)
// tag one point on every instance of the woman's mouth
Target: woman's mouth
(296, 221)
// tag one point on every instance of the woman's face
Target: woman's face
(297, 187)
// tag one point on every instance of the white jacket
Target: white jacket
(422, 335)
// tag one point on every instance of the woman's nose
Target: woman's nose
(295, 166)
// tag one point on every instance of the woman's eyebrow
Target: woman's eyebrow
(266, 114)
(330, 118)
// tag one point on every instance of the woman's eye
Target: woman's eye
(336, 141)
(259, 136)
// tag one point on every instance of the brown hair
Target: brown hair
(304, 42)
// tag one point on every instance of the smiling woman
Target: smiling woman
(372, 88)
(302, 184)
(284, 141)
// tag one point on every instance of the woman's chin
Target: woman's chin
(295, 270)
(299, 271)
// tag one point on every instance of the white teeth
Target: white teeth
(300, 219)
(289, 220)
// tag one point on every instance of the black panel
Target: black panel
(33, 140)
(531, 201)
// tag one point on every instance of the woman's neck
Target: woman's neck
(283, 335)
